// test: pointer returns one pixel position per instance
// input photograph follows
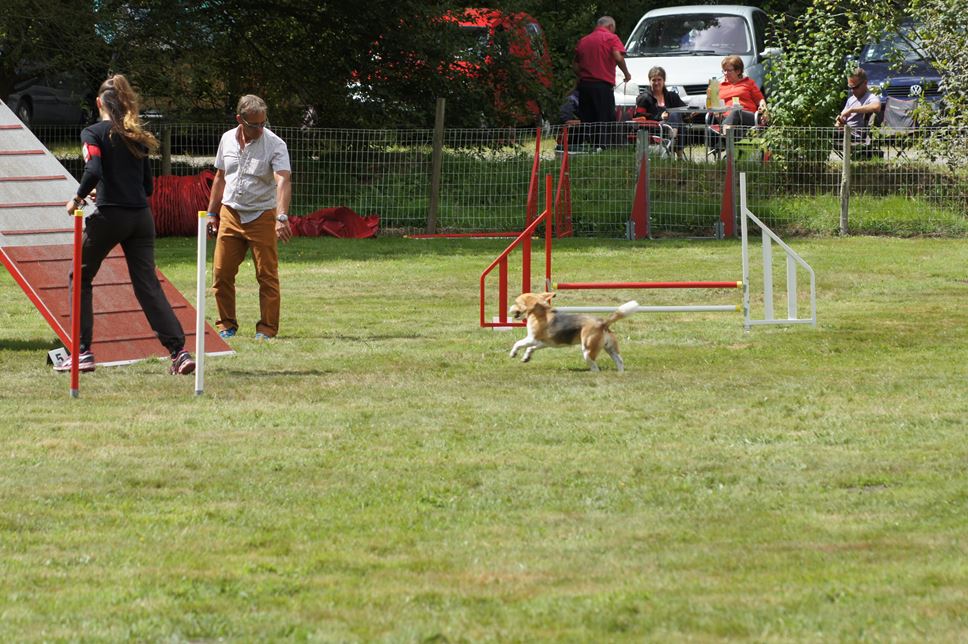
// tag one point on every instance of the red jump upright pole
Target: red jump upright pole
(549, 208)
(76, 305)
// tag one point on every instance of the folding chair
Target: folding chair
(898, 126)
(744, 141)
(658, 136)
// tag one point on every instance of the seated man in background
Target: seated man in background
(860, 106)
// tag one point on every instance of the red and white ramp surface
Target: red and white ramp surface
(36, 248)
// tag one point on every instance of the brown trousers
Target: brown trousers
(233, 242)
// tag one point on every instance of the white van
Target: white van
(690, 44)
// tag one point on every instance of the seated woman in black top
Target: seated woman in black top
(654, 104)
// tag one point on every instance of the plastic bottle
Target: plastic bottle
(712, 93)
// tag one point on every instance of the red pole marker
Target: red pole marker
(76, 305)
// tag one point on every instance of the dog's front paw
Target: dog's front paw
(514, 352)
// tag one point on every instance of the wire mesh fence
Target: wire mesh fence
(798, 179)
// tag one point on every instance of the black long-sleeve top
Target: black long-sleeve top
(646, 105)
(121, 178)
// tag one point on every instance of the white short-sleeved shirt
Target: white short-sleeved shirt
(250, 186)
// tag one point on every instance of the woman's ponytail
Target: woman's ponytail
(122, 105)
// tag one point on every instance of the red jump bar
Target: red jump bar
(11, 153)
(39, 204)
(459, 235)
(614, 285)
(51, 177)
(39, 231)
(14, 126)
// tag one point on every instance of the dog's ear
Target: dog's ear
(536, 301)
(547, 298)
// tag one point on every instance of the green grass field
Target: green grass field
(383, 471)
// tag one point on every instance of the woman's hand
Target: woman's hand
(73, 205)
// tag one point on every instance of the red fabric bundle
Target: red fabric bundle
(177, 201)
(336, 222)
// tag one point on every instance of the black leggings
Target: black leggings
(134, 229)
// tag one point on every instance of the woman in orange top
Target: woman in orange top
(742, 87)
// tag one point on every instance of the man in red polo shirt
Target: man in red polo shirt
(596, 56)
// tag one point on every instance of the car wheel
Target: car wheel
(24, 112)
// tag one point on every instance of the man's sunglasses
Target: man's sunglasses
(257, 126)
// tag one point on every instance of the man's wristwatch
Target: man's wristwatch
(282, 217)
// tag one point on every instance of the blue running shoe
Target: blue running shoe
(225, 334)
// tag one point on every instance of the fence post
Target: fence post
(165, 149)
(845, 182)
(436, 162)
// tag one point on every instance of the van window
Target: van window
(760, 25)
(691, 34)
(904, 45)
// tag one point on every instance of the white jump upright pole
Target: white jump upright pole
(200, 283)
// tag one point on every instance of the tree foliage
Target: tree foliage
(807, 81)
(944, 36)
(37, 37)
(383, 63)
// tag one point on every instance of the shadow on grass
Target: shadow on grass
(263, 373)
(30, 345)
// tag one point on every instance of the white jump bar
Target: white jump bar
(651, 309)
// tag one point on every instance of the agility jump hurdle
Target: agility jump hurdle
(501, 263)
(793, 260)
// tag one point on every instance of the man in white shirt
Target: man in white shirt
(860, 106)
(251, 195)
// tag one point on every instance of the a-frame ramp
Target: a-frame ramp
(36, 248)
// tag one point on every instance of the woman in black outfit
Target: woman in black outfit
(654, 105)
(116, 162)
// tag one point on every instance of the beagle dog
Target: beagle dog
(547, 328)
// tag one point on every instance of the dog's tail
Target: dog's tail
(625, 310)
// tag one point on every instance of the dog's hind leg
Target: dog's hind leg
(591, 346)
(611, 347)
(616, 358)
